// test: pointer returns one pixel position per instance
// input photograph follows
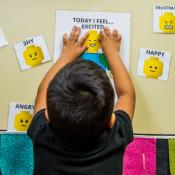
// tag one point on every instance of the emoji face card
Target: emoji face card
(32, 52)
(20, 117)
(153, 64)
(164, 19)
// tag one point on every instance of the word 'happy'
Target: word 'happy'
(155, 53)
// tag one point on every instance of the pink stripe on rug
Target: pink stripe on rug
(140, 157)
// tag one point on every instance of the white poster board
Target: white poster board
(91, 20)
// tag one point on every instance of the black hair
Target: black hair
(80, 101)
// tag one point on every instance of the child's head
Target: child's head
(80, 101)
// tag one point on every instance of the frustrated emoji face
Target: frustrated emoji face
(153, 67)
(33, 55)
(22, 121)
(92, 42)
(167, 22)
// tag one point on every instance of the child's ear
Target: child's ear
(112, 121)
(46, 115)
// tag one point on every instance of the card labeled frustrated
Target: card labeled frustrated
(20, 116)
(164, 19)
(3, 41)
(153, 64)
(32, 52)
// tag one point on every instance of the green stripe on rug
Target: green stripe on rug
(171, 143)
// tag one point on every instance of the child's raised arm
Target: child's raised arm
(110, 42)
(72, 49)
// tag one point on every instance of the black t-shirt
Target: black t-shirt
(104, 157)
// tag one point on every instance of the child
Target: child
(74, 130)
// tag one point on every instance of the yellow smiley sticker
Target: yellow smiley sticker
(22, 120)
(167, 22)
(33, 55)
(153, 67)
(92, 42)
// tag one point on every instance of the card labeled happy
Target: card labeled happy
(32, 52)
(20, 116)
(153, 64)
(164, 19)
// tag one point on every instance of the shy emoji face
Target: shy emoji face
(167, 22)
(153, 67)
(22, 121)
(92, 42)
(33, 55)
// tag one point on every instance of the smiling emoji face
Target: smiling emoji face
(22, 120)
(167, 22)
(33, 55)
(92, 42)
(153, 67)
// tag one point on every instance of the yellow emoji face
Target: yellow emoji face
(167, 22)
(33, 55)
(92, 42)
(22, 121)
(153, 67)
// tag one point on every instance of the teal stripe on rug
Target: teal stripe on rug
(16, 154)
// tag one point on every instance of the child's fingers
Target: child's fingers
(77, 34)
(107, 31)
(65, 38)
(71, 37)
(115, 33)
(119, 38)
(83, 39)
(102, 35)
(84, 48)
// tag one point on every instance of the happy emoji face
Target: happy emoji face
(33, 55)
(153, 67)
(92, 42)
(22, 120)
(167, 22)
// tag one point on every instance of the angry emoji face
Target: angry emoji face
(22, 120)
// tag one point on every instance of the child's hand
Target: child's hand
(110, 42)
(72, 47)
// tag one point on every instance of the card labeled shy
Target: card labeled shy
(153, 64)
(20, 117)
(32, 52)
(164, 19)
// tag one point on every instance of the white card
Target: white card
(153, 64)
(164, 19)
(32, 52)
(3, 41)
(88, 21)
(20, 117)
